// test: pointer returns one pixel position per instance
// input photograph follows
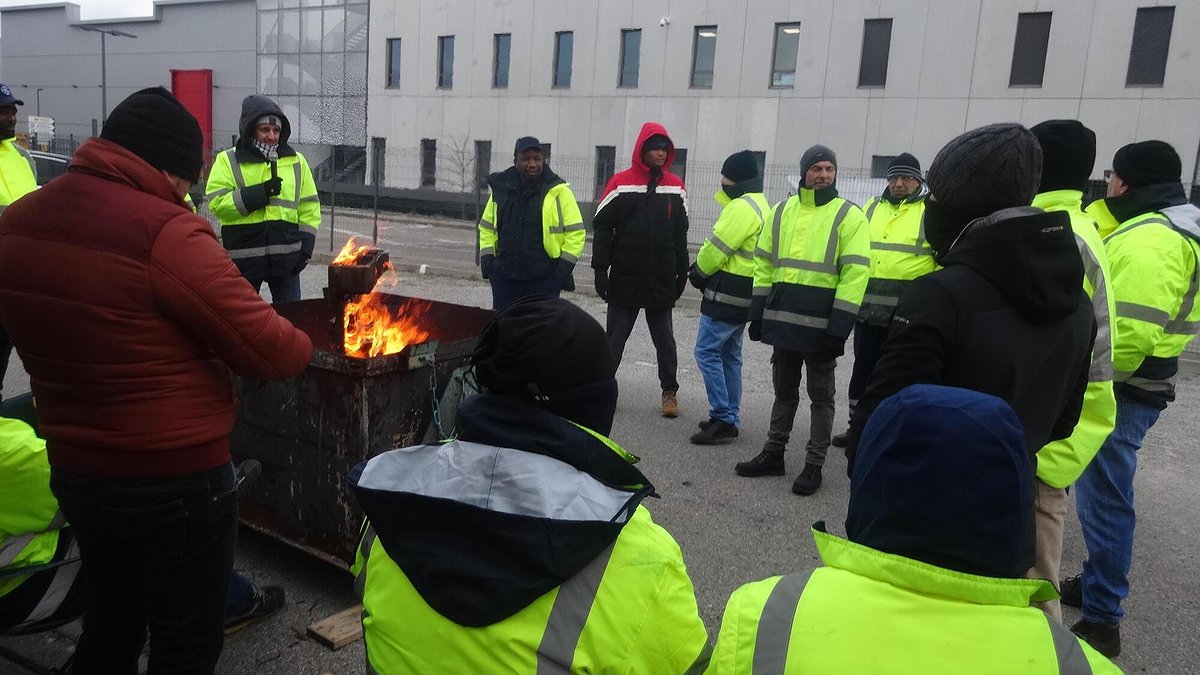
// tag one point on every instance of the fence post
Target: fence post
(333, 199)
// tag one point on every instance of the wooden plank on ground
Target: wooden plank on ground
(338, 630)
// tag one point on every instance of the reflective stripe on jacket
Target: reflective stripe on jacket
(899, 254)
(1061, 462)
(726, 259)
(18, 173)
(868, 611)
(811, 266)
(631, 610)
(273, 237)
(563, 231)
(29, 515)
(1155, 278)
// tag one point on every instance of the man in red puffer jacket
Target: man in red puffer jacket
(128, 315)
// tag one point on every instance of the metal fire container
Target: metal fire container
(309, 431)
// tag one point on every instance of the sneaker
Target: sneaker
(1072, 591)
(808, 481)
(841, 440)
(714, 433)
(704, 424)
(1103, 637)
(764, 464)
(670, 405)
(265, 602)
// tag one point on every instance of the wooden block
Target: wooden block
(338, 630)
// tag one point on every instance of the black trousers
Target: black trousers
(867, 341)
(620, 324)
(158, 555)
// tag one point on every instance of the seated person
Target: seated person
(521, 545)
(930, 580)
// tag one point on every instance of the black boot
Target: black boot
(808, 481)
(704, 424)
(765, 463)
(1103, 637)
(841, 440)
(1072, 591)
(715, 432)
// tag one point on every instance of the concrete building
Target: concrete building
(870, 78)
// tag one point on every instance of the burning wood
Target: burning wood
(372, 326)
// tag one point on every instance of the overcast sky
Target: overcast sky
(98, 9)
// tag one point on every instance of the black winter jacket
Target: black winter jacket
(1006, 316)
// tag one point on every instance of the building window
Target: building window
(445, 62)
(879, 165)
(545, 152)
(631, 57)
(783, 59)
(704, 52)
(760, 158)
(501, 50)
(876, 45)
(483, 163)
(564, 46)
(393, 63)
(1151, 42)
(1029, 49)
(679, 166)
(428, 162)
(606, 166)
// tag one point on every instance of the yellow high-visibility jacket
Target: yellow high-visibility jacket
(726, 258)
(18, 173)
(899, 254)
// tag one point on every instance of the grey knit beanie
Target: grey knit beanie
(817, 153)
(987, 169)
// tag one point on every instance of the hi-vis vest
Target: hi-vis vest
(29, 515)
(297, 204)
(899, 254)
(1155, 279)
(726, 259)
(873, 612)
(811, 266)
(18, 173)
(629, 611)
(563, 231)
(1061, 462)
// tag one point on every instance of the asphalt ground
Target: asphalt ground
(732, 530)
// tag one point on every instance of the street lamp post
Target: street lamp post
(38, 94)
(104, 65)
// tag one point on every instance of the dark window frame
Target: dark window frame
(879, 165)
(393, 55)
(483, 163)
(711, 72)
(1148, 50)
(622, 71)
(496, 59)
(679, 165)
(778, 74)
(445, 62)
(876, 53)
(1032, 37)
(606, 167)
(560, 79)
(429, 163)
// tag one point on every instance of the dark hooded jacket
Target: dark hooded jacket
(520, 253)
(282, 245)
(1006, 316)
(640, 232)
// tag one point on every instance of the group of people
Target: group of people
(983, 273)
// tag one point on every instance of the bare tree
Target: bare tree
(460, 168)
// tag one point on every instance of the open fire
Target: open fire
(372, 326)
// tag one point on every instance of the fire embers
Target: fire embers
(374, 323)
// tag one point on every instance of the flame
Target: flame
(350, 253)
(371, 328)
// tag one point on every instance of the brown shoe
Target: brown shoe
(670, 406)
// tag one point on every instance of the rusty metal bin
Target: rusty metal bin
(309, 431)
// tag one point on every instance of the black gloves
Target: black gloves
(565, 280)
(755, 330)
(602, 284)
(273, 186)
(697, 278)
(485, 263)
(681, 283)
(255, 197)
(301, 265)
(832, 347)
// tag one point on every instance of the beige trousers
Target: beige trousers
(1050, 510)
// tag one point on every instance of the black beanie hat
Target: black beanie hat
(1148, 163)
(986, 169)
(740, 166)
(155, 126)
(548, 351)
(904, 164)
(817, 153)
(1068, 154)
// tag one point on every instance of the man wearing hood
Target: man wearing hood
(1153, 250)
(522, 546)
(263, 193)
(531, 233)
(724, 273)
(1007, 314)
(810, 272)
(640, 254)
(899, 254)
(1068, 155)
(929, 577)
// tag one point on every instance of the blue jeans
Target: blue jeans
(507, 291)
(719, 357)
(284, 288)
(158, 554)
(1104, 501)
